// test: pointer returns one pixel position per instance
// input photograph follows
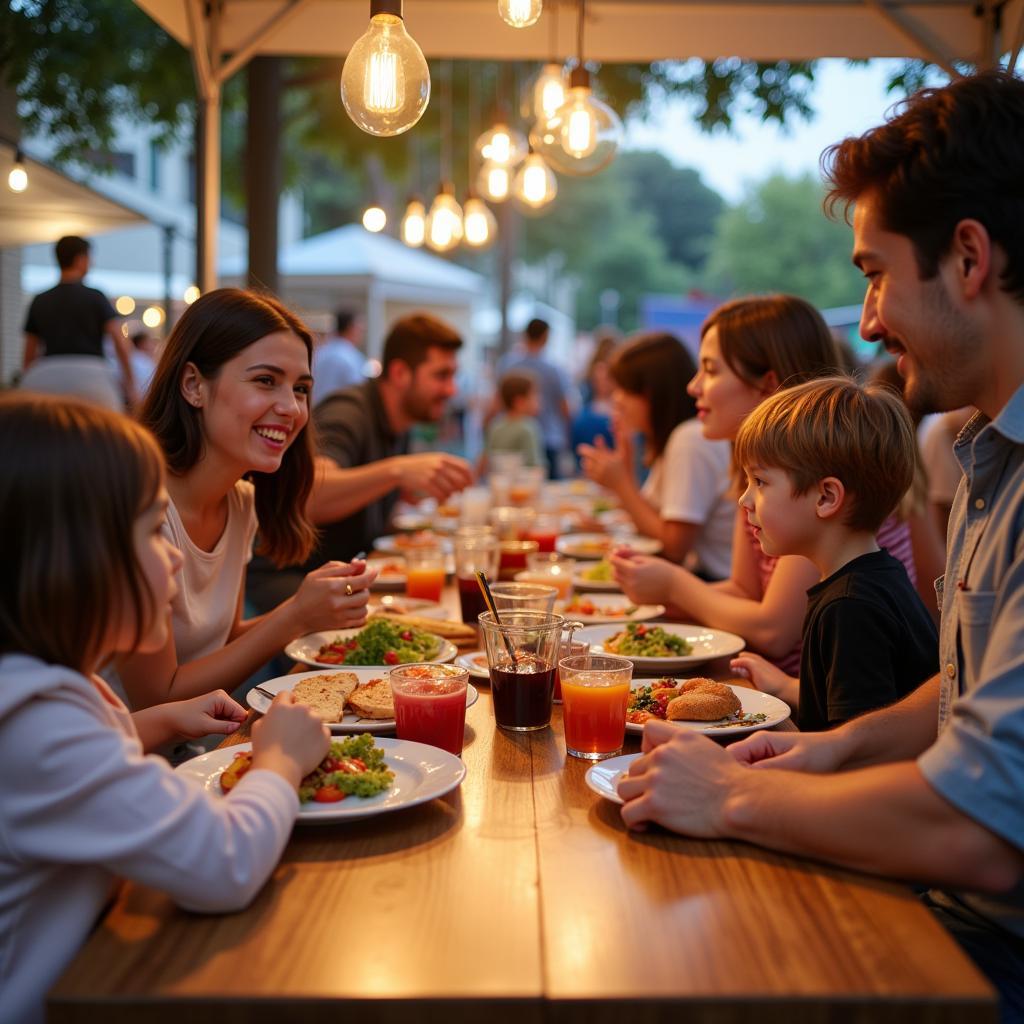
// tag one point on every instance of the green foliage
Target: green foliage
(778, 239)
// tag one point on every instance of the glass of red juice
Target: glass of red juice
(430, 704)
(544, 530)
(474, 552)
(522, 651)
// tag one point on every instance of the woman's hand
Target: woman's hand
(333, 597)
(644, 580)
(605, 466)
(209, 713)
(289, 739)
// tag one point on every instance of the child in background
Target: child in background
(86, 571)
(825, 463)
(517, 429)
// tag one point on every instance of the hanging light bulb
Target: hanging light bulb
(375, 218)
(582, 136)
(520, 13)
(480, 228)
(444, 222)
(17, 180)
(494, 182)
(414, 224)
(501, 145)
(385, 83)
(547, 93)
(535, 185)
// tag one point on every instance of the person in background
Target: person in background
(82, 505)
(825, 462)
(749, 349)
(516, 429)
(685, 501)
(64, 332)
(144, 355)
(339, 360)
(229, 406)
(554, 390)
(364, 465)
(594, 418)
(936, 435)
(928, 789)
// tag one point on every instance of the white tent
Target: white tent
(374, 273)
(223, 36)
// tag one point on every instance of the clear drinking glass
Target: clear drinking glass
(430, 704)
(522, 597)
(595, 692)
(474, 552)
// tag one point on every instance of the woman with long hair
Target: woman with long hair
(229, 406)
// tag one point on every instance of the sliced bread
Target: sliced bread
(373, 700)
(326, 693)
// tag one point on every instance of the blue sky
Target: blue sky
(847, 101)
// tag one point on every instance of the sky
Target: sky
(847, 101)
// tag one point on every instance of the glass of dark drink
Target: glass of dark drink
(522, 652)
(474, 551)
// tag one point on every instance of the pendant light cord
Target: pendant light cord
(446, 122)
(579, 32)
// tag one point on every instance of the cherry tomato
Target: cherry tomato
(328, 795)
(390, 658)
(407, 636)
(332, 657)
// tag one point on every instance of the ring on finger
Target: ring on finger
(348, 590)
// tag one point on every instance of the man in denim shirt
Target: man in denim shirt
(931, 788)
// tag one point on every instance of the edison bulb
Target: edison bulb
(17, 180)
(494, 182)
(374, 219)
(545, 94)
(479, 225)
(125, 305)
(444, 222)
(153, 316)
(192, 293)
(520, 13)
(501, 145)
(414, 224)
(535, 185)
(385, 83)
(582, 136)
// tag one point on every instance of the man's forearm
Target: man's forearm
(338, 493)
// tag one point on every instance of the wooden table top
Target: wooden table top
(522, 896)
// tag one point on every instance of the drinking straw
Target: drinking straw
(481, 578)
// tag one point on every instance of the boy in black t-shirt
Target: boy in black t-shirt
(826, 462)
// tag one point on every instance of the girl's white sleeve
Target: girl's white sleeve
(80, 791)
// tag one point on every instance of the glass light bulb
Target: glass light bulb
(414, 224)
(375, 219)
(494, 182)
(546, 94)
(535, 185)
(153, 316)
(501, 145)
(581, 137)
(520, 13)
(125, 305)
(192, 293)
(17, 180)
(444, 223)
(385, 83)
(480, 227)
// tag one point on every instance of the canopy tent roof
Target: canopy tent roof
(54, 205)
(628, 30)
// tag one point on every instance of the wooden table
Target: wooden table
(521, 897)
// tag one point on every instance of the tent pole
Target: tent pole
(932, 50)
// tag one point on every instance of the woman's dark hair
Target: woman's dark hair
(658, 367)
(779, 333)
(76, 477)
(947, 155)
(213, 330)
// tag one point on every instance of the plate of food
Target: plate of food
(361, 776)
(399, 543)
(601, 545)
(476, 662)
(595, 576)
(355, 700)
(390, 573)
(382, 642)
(591, 609)
(399, 604)
(703, 705)
(662, 646)
(603, 777)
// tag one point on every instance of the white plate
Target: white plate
(307, 647)
(600, 545)
(468, 661)
(580, 582)
(350, 722)
(392, 544)
(422, 773)
(603, 777)
(399, 604)
(391, 580)
(706, 643)
(603, 602)
(752, 702)
(412, 521)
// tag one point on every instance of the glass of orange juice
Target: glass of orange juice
(595, 691)
(424, 572)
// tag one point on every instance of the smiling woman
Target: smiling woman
(229, 405)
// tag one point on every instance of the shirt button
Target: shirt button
(951, 670)
(979, 503)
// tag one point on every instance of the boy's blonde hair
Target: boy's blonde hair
(834, 426)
